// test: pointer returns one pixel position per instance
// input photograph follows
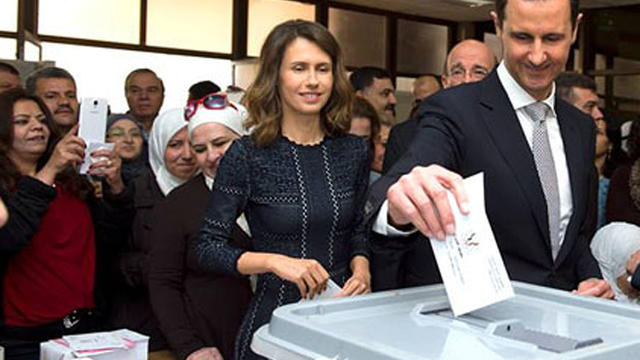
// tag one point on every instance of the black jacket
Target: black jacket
(131, 304)
(28, 204)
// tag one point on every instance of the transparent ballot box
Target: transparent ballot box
(417, 323)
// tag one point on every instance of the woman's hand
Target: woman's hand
(308, 274)
(109, 168)
(207, 353)
(68, 151)
(360, 281)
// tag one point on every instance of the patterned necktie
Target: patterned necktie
(543, 157)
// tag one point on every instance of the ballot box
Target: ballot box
(417, 323)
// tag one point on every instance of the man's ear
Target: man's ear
(359, 93)
(574, 36)
(496, 23)
(445, 81)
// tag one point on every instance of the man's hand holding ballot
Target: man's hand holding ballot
(420, 198)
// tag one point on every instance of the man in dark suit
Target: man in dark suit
(535, 150)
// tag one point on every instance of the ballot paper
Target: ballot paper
(101, 340)
(331, 290)
(120, 344)
(470, 264)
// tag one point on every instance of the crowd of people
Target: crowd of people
(207, 216)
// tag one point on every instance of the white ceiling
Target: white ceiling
(460, 10)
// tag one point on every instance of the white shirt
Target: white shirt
(519, 99)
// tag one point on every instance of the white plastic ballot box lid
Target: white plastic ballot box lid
(416, 323)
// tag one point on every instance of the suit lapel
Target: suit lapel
(506, 133)
(572, 146)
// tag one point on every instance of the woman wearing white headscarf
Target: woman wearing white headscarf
(199, 313)
(172, 163)
(170, 155)
(612, 246)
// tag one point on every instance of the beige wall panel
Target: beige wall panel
(204, 25)
(264, 15)
(9, 15)
(422, 48)
(362, 37)
(112, 20)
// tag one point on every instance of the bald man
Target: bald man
(469, 61)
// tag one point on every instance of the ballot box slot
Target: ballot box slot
(514, 329)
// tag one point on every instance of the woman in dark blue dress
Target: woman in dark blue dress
(299, 179)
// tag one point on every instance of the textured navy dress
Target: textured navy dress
(300, 201)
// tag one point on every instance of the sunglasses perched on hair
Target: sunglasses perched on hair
(213, 101)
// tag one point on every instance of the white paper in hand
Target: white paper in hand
(331, 290)
(472, 269)
(91, 147)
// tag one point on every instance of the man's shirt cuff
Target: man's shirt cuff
(381, 225)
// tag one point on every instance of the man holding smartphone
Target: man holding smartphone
(57, 88)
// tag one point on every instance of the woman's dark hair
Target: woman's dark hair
(633, 141)
(616, 156)
(9, 173)
(263, 100)
(363, 109)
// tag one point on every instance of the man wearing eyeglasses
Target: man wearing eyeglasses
(469, 61)
(145, 93)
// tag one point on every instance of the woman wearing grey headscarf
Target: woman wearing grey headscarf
(126, 133)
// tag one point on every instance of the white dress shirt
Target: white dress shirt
(519, 99)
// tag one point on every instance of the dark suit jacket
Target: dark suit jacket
(399, 262)
(473, 128)
(400, 138)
